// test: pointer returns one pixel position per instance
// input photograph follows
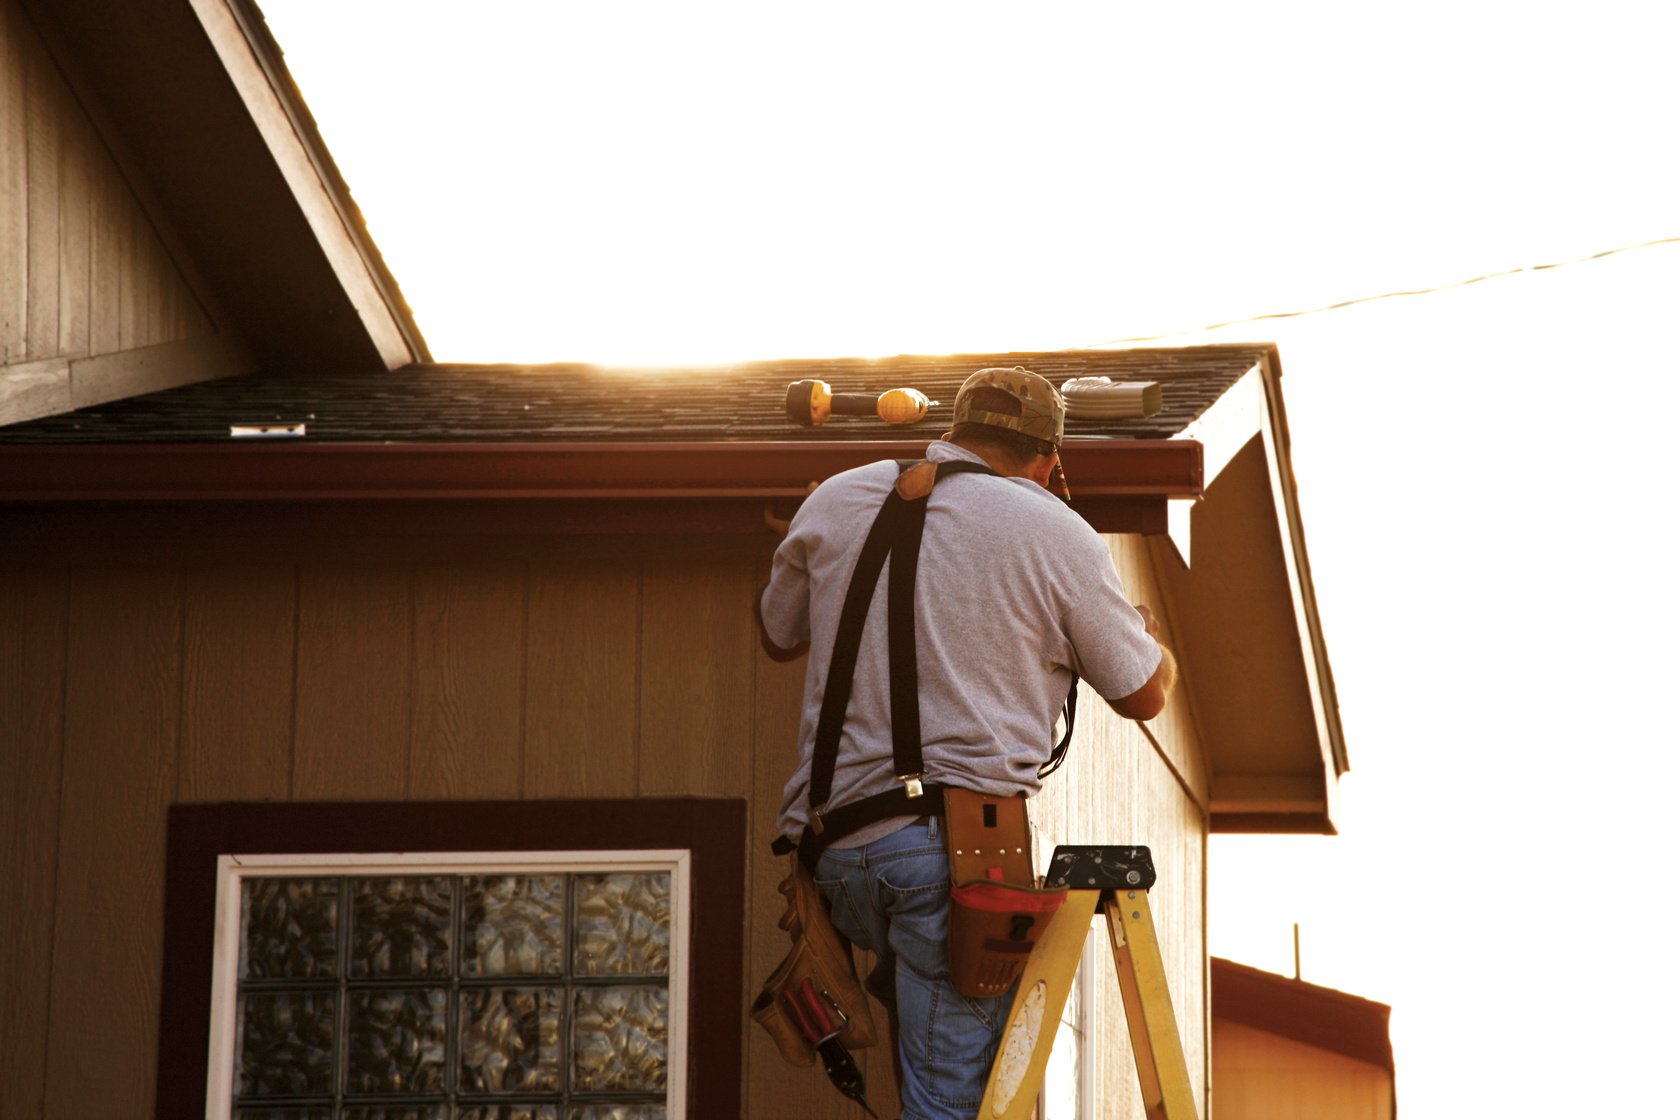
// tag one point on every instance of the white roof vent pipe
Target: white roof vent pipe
(1101, 398)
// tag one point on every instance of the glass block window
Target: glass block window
(375, 991)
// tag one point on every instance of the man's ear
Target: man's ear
(946, 438)
(1039, 469)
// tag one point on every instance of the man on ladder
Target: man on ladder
(950, 679)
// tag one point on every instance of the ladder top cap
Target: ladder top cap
(1103, 867)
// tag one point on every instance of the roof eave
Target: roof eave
(1321, 1017)
(1258, 667)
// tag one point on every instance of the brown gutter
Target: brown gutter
(280, 471)
(1119, 485)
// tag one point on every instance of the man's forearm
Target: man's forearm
(775, 652)
(1147, 702)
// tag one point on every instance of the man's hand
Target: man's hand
(1151, 624)
(779, 525)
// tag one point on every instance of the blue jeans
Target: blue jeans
(893, 896)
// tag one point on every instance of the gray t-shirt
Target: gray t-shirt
(1014, 591)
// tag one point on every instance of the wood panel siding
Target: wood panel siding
(32, 651)
(83, 270)
(698, 645)
(1131, 783)
(469, 650)
(122, 717)
(582, 683)
(239, 666)
(1175, 728)
(406, 666)
(43, 111)
(77, 148)
(1116, 788)
(14, 184)
(354, 682)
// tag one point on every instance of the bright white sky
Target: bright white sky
(1485, 473)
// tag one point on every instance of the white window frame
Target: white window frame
(233, 870)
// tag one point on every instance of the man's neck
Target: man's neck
(1002, 465)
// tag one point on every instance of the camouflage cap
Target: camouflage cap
(1042, 407)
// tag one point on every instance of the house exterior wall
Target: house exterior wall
(92, 303)
(244, 658)
(1258, 1075)
(1121, 785)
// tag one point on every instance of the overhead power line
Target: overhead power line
(1388, 295)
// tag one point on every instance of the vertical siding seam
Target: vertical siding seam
(411, 699)
(74, 165)
(20, 57)
(63, 118)
(40, 88)
(524, 672)
(180, 684)
(58, 834)
(297, 680)
(641, 667)
(755, 663)
(1207, 979)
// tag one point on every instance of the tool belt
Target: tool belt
(998, 910)
(814, 995)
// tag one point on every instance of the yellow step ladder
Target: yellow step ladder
(1115, 881)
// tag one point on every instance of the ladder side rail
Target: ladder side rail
(1163, 1075)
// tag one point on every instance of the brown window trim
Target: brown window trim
(712, 829)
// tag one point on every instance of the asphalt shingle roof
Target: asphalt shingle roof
(567, 403)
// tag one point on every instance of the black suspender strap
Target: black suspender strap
(897, 531)
(903, 681)
(837, 691)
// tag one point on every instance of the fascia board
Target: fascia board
(279, 120)
(1275, 430)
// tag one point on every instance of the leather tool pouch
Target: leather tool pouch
(814, 994)
(998, 911)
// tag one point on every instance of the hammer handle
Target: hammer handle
(854, 404)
